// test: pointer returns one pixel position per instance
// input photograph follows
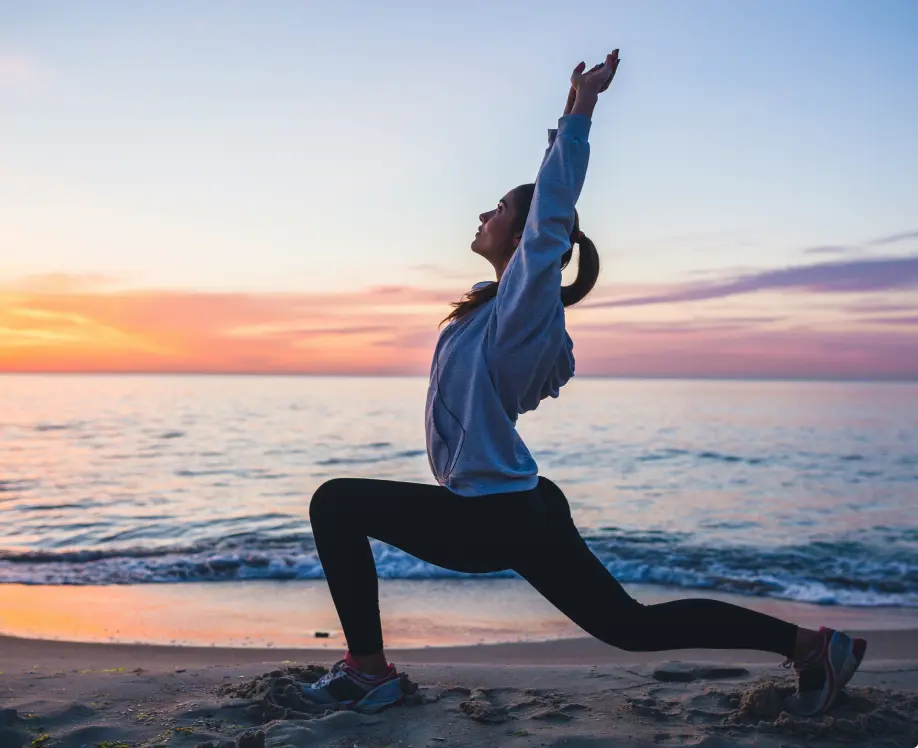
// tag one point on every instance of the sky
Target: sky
(293, 186)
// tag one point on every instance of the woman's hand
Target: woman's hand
(572, 94)
(586, 86)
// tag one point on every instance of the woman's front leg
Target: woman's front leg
(429, 522)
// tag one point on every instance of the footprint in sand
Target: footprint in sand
(498, 705)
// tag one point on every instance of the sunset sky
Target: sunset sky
(293, 186)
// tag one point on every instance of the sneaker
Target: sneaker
(821, 676)
(344, 687)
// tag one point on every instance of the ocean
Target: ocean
(796, 491)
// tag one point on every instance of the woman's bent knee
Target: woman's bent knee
(630, 629)
(326, 500)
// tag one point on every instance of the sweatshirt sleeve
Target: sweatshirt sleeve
(552, 134)
(527, 324)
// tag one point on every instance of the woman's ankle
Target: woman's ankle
(371, 664)
(808, 644)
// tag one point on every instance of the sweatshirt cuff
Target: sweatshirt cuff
(552, 134)
(575, 125)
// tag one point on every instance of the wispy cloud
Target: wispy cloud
(847, 250)
(863, 275)
(895, 238)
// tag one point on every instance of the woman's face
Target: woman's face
(495, 239)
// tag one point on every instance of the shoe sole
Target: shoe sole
(377, 707)
(381, 697)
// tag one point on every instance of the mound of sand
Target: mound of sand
(859, 713)
(278, 694)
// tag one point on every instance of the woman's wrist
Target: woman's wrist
(585, 103)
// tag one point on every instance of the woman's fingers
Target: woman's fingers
(612, 68)
(600, 74)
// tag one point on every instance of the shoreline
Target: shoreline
(890, 646)
(416, 614)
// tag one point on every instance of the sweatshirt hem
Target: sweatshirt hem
(491, 487)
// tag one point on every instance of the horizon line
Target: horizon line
(350, 375)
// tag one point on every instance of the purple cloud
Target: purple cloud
(894, 238)
(842, 249)
(851, 276)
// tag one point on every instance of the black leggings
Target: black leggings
(530, 532)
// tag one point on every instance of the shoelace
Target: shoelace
(810, 673)
(330, 675)
(801, 664)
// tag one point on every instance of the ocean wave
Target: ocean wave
(671, 453)
(869, 569)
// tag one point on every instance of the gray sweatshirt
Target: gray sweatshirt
(509, 354)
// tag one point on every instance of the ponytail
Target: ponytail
(587, 270)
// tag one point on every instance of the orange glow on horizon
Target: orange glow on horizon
(392, 331)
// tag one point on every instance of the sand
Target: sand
(576, 693)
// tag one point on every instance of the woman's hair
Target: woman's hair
(587, 262)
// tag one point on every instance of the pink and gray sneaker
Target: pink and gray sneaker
(345, 687)
(821, 677)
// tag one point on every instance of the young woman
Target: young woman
(504, 350)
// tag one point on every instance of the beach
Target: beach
(572, 692)
(550, 686)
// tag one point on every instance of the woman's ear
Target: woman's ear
(517, 237)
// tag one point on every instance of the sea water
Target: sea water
(798, 491)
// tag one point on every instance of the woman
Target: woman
(504, 350)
